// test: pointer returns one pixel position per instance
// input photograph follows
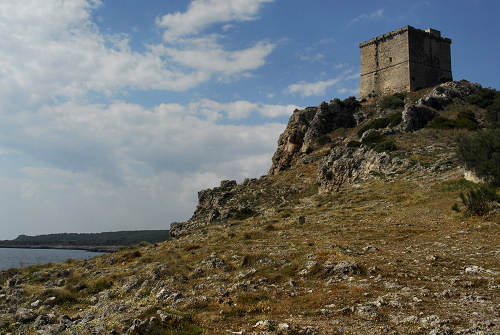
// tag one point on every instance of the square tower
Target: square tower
(406, 59)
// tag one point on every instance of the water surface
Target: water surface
(14, 257)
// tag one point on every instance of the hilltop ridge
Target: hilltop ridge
(356, 229)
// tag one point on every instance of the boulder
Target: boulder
(24, 315)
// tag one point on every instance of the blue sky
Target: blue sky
(115, 113)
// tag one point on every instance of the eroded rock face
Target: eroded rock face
(416, 117)
(345, 165)
(307, 128)
(453, 91)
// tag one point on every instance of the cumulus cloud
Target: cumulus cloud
(207, 56)
(108, 163)
(52, 50)
(307, 89)
(77, 165)
(203, 13)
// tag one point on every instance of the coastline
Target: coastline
(105, 249)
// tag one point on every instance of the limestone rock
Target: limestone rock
(24, 315)
(307, 128)
(453, 91)
(416, 117)
(345, 165)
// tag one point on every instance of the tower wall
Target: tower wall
(403, 60)
(430, 58)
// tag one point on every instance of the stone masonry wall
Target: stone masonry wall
(384, 64)
(403, 60)
(430, 59)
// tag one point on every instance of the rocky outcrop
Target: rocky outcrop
(444, 94)
(416, 117)
(307, 129)
(236, 201)
(345, 165)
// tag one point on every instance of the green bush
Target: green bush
(489, 99)
(480, 152)
(353, 144)
(373, 138)
(378, 142)
(479, 201)
(351, 103)
(385, 145)
(374, 124)
(465, 120)
(393, 101)
(395, 119)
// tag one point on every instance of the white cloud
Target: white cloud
(240, 109)
(318, 57)
(307, 89)
(207, 56)
(376, 15)
(82, 166)
(203, 13)
(125, 166)
(52, 50)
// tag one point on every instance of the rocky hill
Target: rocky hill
(358, 228)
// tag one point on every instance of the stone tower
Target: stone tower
(406, 59)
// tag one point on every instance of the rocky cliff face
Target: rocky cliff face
(307, 129)
(346, 165)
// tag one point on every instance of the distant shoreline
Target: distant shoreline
(105, 249)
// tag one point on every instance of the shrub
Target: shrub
(440, 122)
(373, 138)
(353, 144)
(440, 89)
(465, 120)
(393, 101)
(379, 143)
(323, 139)
(480, 152)
(489, 99)
(243, 214)
(385, 145)
(395, 119)
(351, 103)
(478, 201)
(374, 124)
(444, 79)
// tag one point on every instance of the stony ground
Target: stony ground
(384, 254)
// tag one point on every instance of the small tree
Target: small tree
(479, 201)
(480, 152)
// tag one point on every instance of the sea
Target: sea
(14, 257)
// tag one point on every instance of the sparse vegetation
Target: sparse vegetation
(479, 200)
(480, 152)
(465, 120)
(394, 101)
